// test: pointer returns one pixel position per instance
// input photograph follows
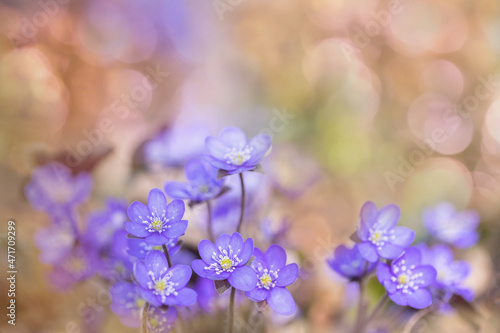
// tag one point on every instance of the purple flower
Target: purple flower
(115, 263)
(139, 248)
(127, 303)
(54, 242)
(227, 259)
(379, 235)
(202, 183)
(161, 320)
(451, 274)
(157, 222)
(76, 266)
(273, 275)
(350, 263)
(406, 279)
(53, 187)
(449, 226)
(233, 153)
(161, 285)
(207, 295)
(102, 225)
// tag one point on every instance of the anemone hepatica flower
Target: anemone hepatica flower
(54, 243)
(202, 182)
(406, 279)
(227, 259)
(76, 266)
(233, 153)
(161, 285)
(449, 226)
(53, 187)
(139, 248)
(156, 222)
(161, 320)
(379, 235)
(102, 225)
(451, 273)
(350, 263)
(127, 303)
(273, 275)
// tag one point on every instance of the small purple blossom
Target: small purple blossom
(202, 182)
(379, 235)
(53, 187)
(54, 242)
(161, 320)
(139, 248)
(227, 259)
(406, 279)
(127, 303)
(156, 222)
(451, 227)
(161, 285)
(273, 275)
(233, 153)
(102, 225)
(451, 273)
(350, 264)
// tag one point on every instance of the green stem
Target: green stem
(209, 222)
(230, 328)
(165, 250)
(242, 210)
(144, 326)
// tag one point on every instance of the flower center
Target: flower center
(238, 156)
(225, 261)
(380, 237)
(75, 265)
(402, 279)
(139, 303)
(161, 286)
(266, 277)
(407, 281)
(156, 222)
(266, 280)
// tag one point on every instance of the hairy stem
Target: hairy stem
(209, 222)
(242, 210)
(165, 250)
(144, 326)
(230, 327)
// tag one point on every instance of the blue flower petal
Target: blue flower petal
(383, 272)
(403, 236)
(175, 210)
(419, 299)
(399, 298)
(156, 239)
(368, 251)
(150, 297)
(232, 136)
(236, 243)
(180, 275)
(177, 190)
(287, 275)
(275, 256)
(198, 266)
(388, 217)
(216, 148)
(257, 295)
(259, 258)
(156, 262)
(428, 275)
(223, 241)
(157, 202)
(243, 278)
(176, 229)
(138, 212)
(260, 144)
(246, 251)
(137, 229)
(141, 274)
(206, 249)
(184, 297)
(281, 301)
(390, 251)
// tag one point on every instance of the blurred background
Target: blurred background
(390, 101)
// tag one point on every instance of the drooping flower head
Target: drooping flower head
(156, 222)
(160, 285)
(407, 280)
(233, 153)
(379, 235)
(202, 182)
(451, 227)
(227, 259)
(53, 188)
(350, 264)
(273, 275)
(451, 274)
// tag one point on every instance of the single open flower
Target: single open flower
(233, 153)
(379, 235)
(350, 263)
(202, 182)
(157, 222)
(406, 279)
(227, 259)
(161, 285)
(273, 275)
(449, 226)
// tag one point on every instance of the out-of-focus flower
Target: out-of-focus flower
(449, 226)
(379, 235)
(54, 243)
(115, 263)
(156, 222)
(202, 183)
(233, 153)
(227, 259)
(53, 188)
(76, 266)
(139, 248)
(206, 294)
(275, 232)
(161, 320)
(350, 263)
(406, 279)
(161, 285)
(102, 225)
(451, 274)
(127, 303)
(273, 275)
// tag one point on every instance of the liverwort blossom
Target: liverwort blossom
(139, 248)
(350, 264)
(227, 259)
(161, 320)
(78, 265)
(102, 225)
(379, 235)
(160, 285)
(451, 274)
(273, 275)
(233, 153)
(202, 183)
(449, 226)
(156, 222)
(53, 188)
(407, 279)
(54, 243)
